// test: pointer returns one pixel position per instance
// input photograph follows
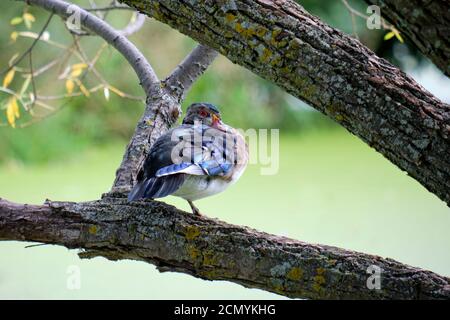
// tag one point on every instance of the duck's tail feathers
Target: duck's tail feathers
(156, 187)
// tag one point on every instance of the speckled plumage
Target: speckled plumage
(197, 159)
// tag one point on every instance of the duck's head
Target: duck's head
(206, 114)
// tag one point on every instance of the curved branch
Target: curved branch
(425, 23)
(134, 26)
(187, 72)
(147, 77)
(174, 240)
(333, 72)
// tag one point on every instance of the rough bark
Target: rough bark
(425, 23)
(173, 240)
(333, 72)
(161, 111)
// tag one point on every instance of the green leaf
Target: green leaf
(389, 35)
(16, 20)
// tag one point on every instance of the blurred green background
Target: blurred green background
(331, 188)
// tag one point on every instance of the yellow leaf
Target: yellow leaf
(398, 36)
(14, 35)
(15, 107)
(29, 16)
(77, 69)
(10, 114)
(81, 65)
(69, 86)
(9, 78)
(16, 20)
(389, 35)
(117, 91)
(76, 72)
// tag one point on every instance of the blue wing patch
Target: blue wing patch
(213, 168)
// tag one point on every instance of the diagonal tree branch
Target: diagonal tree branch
(210, 249)
(187, 72)
(333, 72)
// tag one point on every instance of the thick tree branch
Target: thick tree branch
(425, 23)
(173, 240)
(333, 72)
(193, 66)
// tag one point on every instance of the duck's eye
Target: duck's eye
(203, 113)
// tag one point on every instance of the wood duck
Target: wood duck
(199, 158)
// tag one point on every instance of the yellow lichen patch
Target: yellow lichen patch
(239, 27)
(295, 274)
(285, 70)
(276, 61)
(279, 289)
(246, 32)
(333, 110)
(309, 91)
(213, 273)
(192, 232)
(319, 279)
(266, 54)
(193, 252)
(228, 34)
(332, 261)
(260, 31)
(230, 17)
(93, 229)
(209, 258)
(275, 34)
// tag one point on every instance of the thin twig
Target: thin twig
(147, 76)
(33, 84)
(30, 48)
(133, 26)
(354, 12)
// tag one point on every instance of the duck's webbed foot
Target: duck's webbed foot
(195, 210)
